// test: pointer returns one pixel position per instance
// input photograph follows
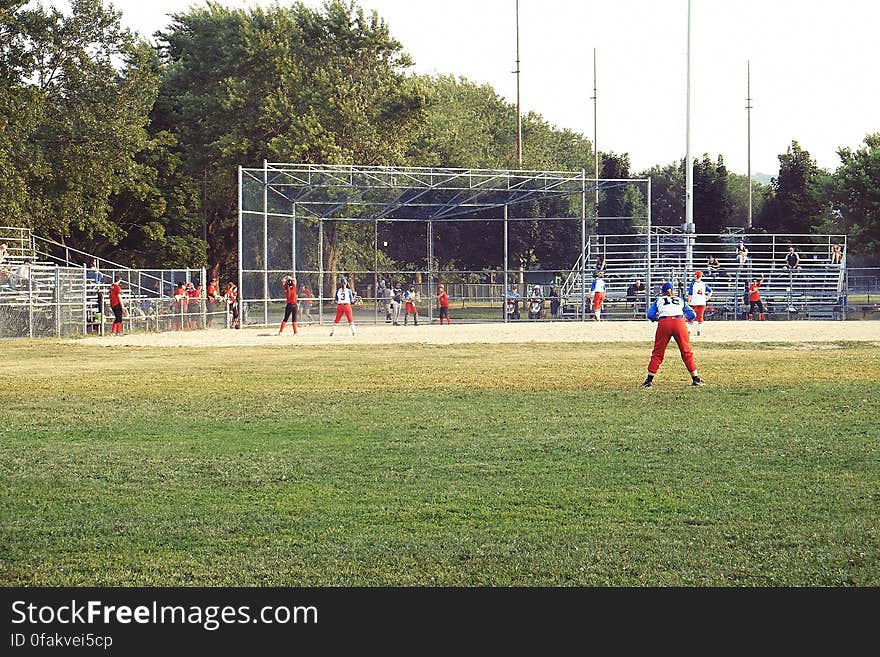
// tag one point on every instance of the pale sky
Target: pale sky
(813, 68)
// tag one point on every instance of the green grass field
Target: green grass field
(439, 465)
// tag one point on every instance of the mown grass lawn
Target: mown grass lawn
(438, 465)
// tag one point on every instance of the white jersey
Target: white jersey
(598, 285)
(344, 295)
(667, 306)
(699, 293)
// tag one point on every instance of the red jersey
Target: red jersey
(212, 290)
(231, 295)
(290, 293)
(115, 295)
(754, 292)
(444, 299)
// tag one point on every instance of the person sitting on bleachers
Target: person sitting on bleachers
(836, 254)
(635, 295)
(792, 259)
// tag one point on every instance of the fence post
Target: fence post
(30, 302)
(203, 299)
(57, 302)
(85, 306)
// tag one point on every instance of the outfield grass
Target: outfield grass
(439, 465)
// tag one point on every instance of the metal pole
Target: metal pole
(595, 141)
(293, 242)
(584, 241)
(85, 310)
(504, 290)
(749, 148)
(648, 282)
(518, 107)
(203, 300)
(431, 287)
(265, 243)
(320, 272)
(239, 299)
(376, 268)
(30, 302)
(57, 302)
(689, 165)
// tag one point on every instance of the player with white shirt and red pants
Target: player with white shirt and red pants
(670, 312)
(344, 299)
(699, 293)
(597, 295)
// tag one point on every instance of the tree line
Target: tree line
(129, 148)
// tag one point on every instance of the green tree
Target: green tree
(854, 190)
(620, 203)
(711, 201)
(667, 193)
(283, 84)
(794, 202)
(738, 199)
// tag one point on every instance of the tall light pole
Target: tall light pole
(595, 140)
(749, 133)
(689, 165)
(518, 111)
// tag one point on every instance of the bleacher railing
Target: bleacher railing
(48, 289)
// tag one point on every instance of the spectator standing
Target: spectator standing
(305, 303)
(291, 310)
(555, 302)
(443, 304)
(671, 312)
(3, 253)
(699, 293)
(213, 299)
(396, 303)
(411, 299)
(344, 298)
(792, 259)
(386, 294)
(755, 302)
(232, 304)
(597, 295)
(116, 306)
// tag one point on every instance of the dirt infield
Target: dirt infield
(515, 332)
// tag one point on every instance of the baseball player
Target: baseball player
(670, 312)
(291, 310)
(344, 297)
(597, 294)
(698, 295)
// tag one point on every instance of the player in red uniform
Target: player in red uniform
(755, 298)
(443, 303)
(291, 310)
(344, 298)
(232, 303)
(116, 306)
(671, 314)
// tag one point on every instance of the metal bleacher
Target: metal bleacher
(814, 290)
(50, 289)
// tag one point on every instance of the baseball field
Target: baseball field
(463, 455)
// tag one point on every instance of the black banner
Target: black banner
(415, 620)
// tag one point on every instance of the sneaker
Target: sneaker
(647, 384)
(698, 382)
